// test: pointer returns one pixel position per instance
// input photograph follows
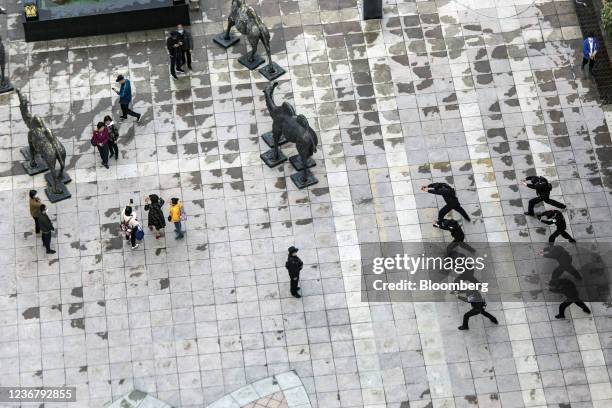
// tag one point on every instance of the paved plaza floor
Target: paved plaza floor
(476, 93)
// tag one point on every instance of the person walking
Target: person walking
(555, 217)
(157, 222)
(568, 288)
(113, 136)
(174, 46)
(35, 205)
(450, 197)
(294, 265)
(543, 188)
(100, 140)
(474, 298)
(186, 41)
(46, 226)
(590, 47)
(176, 216)
(125, 98)
(130, 225)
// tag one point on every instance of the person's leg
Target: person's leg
(584, 307)
(591, 65)
(490, 316)
(132, 113)
(466, 318)
(532, 204)
(554, 203)
(461, 211)
(584, 62)
(124, 110)
(188, 55)
(116, 150)
(553, 236)
(566, 235)
(36, 225)
(443, 211)
(294, 286)
(562, 308)
(178, 229)
(104, 154)
(173, 67)
(133, 238)
(46, 238)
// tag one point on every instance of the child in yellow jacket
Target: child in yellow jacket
(176, 212)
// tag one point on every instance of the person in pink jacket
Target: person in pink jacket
(100, 140)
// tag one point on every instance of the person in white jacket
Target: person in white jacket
(130, 223)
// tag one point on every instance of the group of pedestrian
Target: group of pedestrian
(130, 225)
(42, 222)
(105, 138)
(179, 45)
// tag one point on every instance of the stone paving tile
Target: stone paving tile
(474, 93)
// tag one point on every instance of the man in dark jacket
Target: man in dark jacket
(294, 266)
(125, 98)
(186, 41)
(45, 228)
(568, 288)
(453, 227)
(543, 189)
(555, 217)
(35, 205)
(474, 298)
(450, 197)
(174, 46)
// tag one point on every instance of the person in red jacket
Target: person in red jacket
(100, 140)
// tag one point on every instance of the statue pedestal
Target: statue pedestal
(6, 86)
(296, 162)
(251, 65)
(41, 166)
(301, 183)
(270, 160)
(272, 71)
(269, 139)
(55, 197)
(220, 39)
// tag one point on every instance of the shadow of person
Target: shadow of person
(564, 260)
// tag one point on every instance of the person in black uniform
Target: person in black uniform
(175, 52)
(294, 266)
(543, 188)
(568, 288)
(555, 217)
(448, 193)
(474, 298)
(559, 254)
(453, 227)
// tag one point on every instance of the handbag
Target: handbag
(183, 215)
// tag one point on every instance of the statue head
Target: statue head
(269, 89)
(237, 3)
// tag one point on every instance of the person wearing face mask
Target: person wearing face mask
(590, 47)
(187, 45)
(46, 226)
(100, 140)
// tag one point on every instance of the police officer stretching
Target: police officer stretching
(555, 217)
(543, 189)
(474, 298)
(294, 266)
(450, 197)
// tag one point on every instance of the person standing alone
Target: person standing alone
(125, 98)
(590, 47)
(294, 266)
(100, 140)
(186, 41)
(176, 215)
(46, 226)
(35, 205)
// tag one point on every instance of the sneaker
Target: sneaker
(138, 118)
(135, 246)
(189, 66)
(180, 70)
(560, 316)
(174, 77)
(297, 295)
(50, 251)
(180, 236)
(122, 118)
(587, 310)
(463, 328)
(494, 321)
(529, 214)
(105, 165)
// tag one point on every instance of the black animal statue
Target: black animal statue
(296, 129)
(248, 23)
(41, 141)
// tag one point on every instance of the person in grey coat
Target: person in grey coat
(186, 45)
